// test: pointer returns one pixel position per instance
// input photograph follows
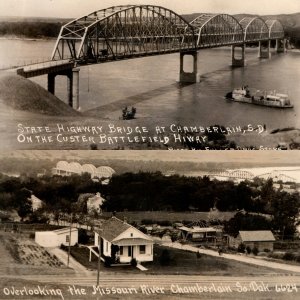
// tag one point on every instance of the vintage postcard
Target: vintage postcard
(167, 224)
(161, 75)
(82, 80)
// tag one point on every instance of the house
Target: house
(36, 203)
(123, 242)
(90, 203)
(94, 203)
(197, 233)
(58, 237)
(261, 239)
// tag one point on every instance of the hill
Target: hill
(22, 94)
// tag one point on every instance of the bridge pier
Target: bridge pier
(264, 52)
(51, 83)
(189, 77)
(238, 62)
(72, 85)
(75, 88)
(70, 88)
(280, 45)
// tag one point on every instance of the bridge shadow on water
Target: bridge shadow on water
(102, 110)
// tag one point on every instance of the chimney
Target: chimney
(124, 220)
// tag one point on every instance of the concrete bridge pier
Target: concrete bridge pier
(238, 62)
(75, 88)
(264, 52)
(70, 88)
(189, 77)
(72, 85)
(280, 45)
(51, 83)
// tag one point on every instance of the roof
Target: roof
(257, 236)
(197, 229)
(132, 241)
(64, 230)
(113, 227)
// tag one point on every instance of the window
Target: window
(121, 250)
(106, 246)
(131, 234)
(67, 239)
(142, 249)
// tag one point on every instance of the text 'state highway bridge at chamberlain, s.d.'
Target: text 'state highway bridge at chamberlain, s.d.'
(132, 31)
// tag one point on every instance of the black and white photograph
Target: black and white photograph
(155, 224)
(158, 75)
(149, 149)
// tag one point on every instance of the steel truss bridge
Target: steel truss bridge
(131, 31)
(141, 30)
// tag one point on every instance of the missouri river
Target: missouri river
(151, 85)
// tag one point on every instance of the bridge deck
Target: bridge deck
(46, 68)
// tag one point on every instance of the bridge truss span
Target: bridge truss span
(255, 29)
(276, 30)
(215, 30)
(124, 32)
(132, 31)
(129, 31)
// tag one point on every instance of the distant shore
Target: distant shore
(24, 38)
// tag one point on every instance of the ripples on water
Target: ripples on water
(151, 85)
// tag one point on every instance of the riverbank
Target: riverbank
(32, 118)
(25, 38)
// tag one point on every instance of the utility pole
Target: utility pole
(69, 250)
(99, 256)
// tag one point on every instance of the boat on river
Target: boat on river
(257, 97)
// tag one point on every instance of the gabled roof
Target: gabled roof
(257, 236)
(112, 228)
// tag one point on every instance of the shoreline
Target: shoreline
(20, 38)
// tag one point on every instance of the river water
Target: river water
(151, 85)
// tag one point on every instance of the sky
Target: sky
(77, 8)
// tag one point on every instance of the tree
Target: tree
(267, 194)
(246, 222)
(285, 208)
(23, 203)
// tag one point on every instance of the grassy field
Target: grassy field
(178, 262)
(138, 216)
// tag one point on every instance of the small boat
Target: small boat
(128, 114)
(264, 98)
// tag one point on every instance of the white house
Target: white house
(131, 242)
(57, 237)
(36, 203)
(95, 203)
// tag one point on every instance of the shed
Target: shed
(261, 239)
(57, 237)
